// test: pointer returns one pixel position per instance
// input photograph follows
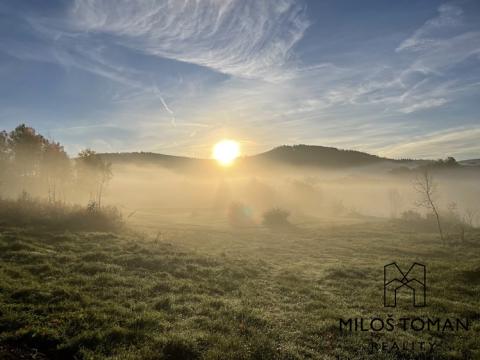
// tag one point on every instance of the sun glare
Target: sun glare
(226, 151)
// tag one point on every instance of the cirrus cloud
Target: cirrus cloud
(245, 38)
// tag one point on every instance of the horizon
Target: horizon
(243, 155)
(284, 145)
(398, 80)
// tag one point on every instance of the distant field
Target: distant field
(210, 292)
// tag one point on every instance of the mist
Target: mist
(308, 194)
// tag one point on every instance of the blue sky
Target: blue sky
(394, 78)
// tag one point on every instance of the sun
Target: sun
(226, 151)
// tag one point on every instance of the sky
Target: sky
(393, 78)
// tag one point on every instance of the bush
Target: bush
(411, 216)
(239, 215)
(276, 218)
(414, 220)
(27, 211)
(452, 224)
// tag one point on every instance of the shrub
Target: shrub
(413, 220)
(454, 225)
(276, 218)
(239, 215)
(411, 216)
(27, 211)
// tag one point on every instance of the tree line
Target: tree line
(32, 165)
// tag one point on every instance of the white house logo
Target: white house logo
(396, 283)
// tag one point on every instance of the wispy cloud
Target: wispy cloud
(442, 42)
(427, 36)
(431, 55)
(245, 38)
(425, 104)
(461, 142)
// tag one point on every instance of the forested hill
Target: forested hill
(297, 155)
(310, 155)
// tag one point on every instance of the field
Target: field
(212, 292)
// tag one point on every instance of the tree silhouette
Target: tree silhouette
(94, 173)
(26, 150)
(55, 167)
(4, 158)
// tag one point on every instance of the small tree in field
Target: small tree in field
(469, 217)
(426, 187)
(94, 173)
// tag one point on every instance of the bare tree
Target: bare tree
(95, 173)
(426, 187)
(467, 222)
(469, 217)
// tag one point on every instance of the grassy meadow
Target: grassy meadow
(166, 291)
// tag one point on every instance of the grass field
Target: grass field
(210, 292)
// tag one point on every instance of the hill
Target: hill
(470, 162)
(297, 155)
(310, 155)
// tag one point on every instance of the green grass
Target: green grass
(196, 292)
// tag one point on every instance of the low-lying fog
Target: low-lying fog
(306, 193)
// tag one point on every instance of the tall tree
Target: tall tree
(26, 150)
(55, 168)
(4, 159)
